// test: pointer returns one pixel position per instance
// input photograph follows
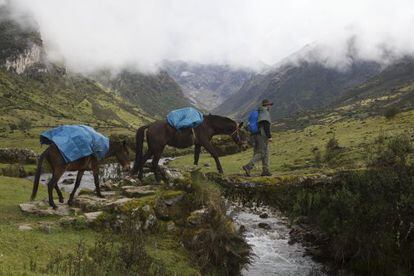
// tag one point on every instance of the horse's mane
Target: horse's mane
(218, 117)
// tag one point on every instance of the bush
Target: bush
(333, 152)
(24, 125)
(391, 112)
(389, 151)
(111, 254)
(317, 157)
(367, 216)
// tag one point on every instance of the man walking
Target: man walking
(261, 140)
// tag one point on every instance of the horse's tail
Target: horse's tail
(139, 145)
(37, 176)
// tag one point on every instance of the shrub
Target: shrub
(391, 112)
(317, 157)
(24, 125)
(389, 151)
(333, 152)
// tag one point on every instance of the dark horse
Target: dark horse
(160, 134)
(88, 163)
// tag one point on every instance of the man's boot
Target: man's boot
(266, 172)
(247, 170)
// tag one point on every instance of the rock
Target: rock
(207, 165)
(264, 225)
(25, 227)
(129, 181)
(197, 217)
(138, 191)
(150, 222)
(174, 200)
(146, 208)
(68, 181)
(43, 209)
(15, 155)
(263, 215)
(90, 203)
(46, 227)
(171, 227)
(92, 216)
(107, 185)
(107, 194)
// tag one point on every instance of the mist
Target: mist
(92, 34)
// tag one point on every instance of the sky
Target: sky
(91, 34)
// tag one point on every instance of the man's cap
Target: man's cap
(266, 102)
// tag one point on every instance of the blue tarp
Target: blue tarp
(76, 141)
(185, 118)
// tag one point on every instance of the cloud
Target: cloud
(90, 34)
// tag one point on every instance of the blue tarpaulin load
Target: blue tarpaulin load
(187, 117)
(76, 141)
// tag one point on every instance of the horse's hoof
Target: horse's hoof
(54, 207)
(70, 202)
(61, 200)
(100, 196)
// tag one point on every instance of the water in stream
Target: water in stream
(274, 255)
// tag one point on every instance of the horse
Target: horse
(160, 133)
(57, 163)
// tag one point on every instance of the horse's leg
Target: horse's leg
(210, 148)
(77, 184)
(145, 158)
(197, 151)
(57, 173)
(95, 172)
(155, 168)
(59, 192)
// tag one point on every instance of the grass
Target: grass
(291, 150)
(17, 247)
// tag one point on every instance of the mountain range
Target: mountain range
(207, 86)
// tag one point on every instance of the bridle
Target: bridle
(236, 131)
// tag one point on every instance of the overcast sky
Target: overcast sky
(90, 34)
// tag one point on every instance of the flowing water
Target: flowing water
(273, 253)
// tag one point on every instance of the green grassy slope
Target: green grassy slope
(47, 100)
(18, 247)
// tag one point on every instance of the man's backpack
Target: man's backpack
(253, 124)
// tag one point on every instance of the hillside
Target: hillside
(207, 86)
(297, 88)
(36, 94)
(156, 94)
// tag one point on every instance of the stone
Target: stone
(25, 227)
(138, 191)
(263, 215)
(108, 193)
(146, 208)
(107, 185)
(68, 181)
(197, 217)
(42, 208)
(90, 203)
(264, 225)
(150, 222)
(46, 228)
(174, 200)
(171, 227)
(92, 216)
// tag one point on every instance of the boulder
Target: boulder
(264, 225)
(263, 215)
(90, 203)
(42, 208)
(68, 181)
(92, 216)
(198, 217)
(138, 191)
(25, 227)
(150, 222)
(171, 227)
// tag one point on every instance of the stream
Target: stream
(270, 243)
(273, 253)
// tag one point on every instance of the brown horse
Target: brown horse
(88, 163)
(160, 134)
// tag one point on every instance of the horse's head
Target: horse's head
(239, 137)
(120, 150)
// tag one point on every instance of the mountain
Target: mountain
(36, 93)
(156, 94)
(297, 87)
(207, 86)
